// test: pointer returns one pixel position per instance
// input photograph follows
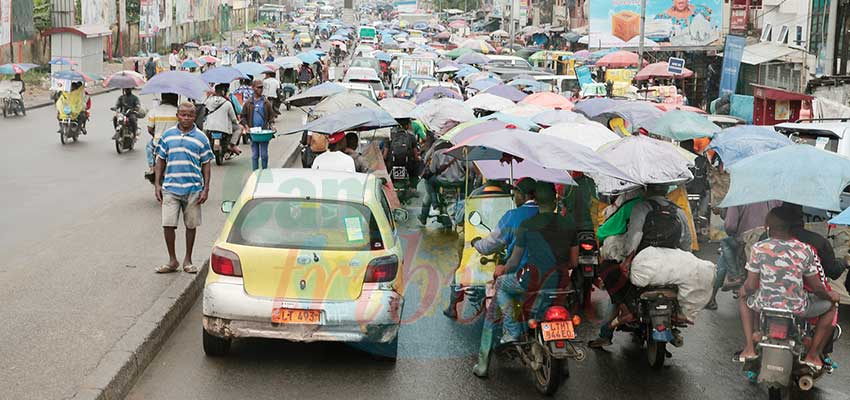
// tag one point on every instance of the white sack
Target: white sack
(694, 276)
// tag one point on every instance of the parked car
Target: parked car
(366, 62)
(307, 255)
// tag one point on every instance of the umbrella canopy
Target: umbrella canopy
(437, 92)
(252, 68)
(509, 92)
(183, 83)
(343, 101)
(440, 115)
(473, 58)
(61, 61)
(397, 107)
(619, 59)
(590, 134)
(458, 52)
(191, 63)
(467, 70)
(352, 119)
(488, 102)
(595, 106)
(799, 174)
(191, 45)
(519, 122)
(634, 113)
(737, 143)
(499, 33)
(484, 84)
(648, 160)
(222, 75)
(209, 59)
(495, 169)
(472, 78)
(553, 117)
(12, 69)
(546, 151)
(548, 100)
(478, 45)
(288, 62)
(124, 80)
(315, 94)
(309, 58)
(682, 125)
(524, 110)
(75, 76)
(459, 23)
(659, 70)
(448, 63)
(443, 35)
(469, 129)
(447, 69)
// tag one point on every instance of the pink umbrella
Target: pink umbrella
(548, 100)
(619, 59)
(457, 23)
(659, 70)
(209, 59)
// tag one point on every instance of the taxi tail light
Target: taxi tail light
(382, 269)
(556, 313)
(225, 262)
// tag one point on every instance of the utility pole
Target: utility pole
(511, 20)
(642, 32)
(122, 25)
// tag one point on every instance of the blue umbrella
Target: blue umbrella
(484, 84)
(523, 82)
(61, 61)
(420, 26)
(682, 125)
(288, 62)
(841, 219)
(73, 76)
(338, 37)
(509, 92)
(252, 68)
(388, 40)
(799, 174)
(308, 58)
(383, 56)
(352, 119)
(739, 142)
(595, 106)
(466, 71)
(12, 69)
(319, 52)
(520, 122)
(222, 75)
(315, 94)
(191, 63)
(182, 83)
(473, 58)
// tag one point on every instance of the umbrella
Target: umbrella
(595, 106)
(440, 115)
(466, 71)
(12, 69)
(671, 107)
(473, 58)
(256, 49)
(338, 37)
(457, 24)
(183, 83)
(458, 52)
(682, 125)
(469, 129)
(436, 93)
(222, 75)
(581, 55)
(343, 101)
(191, 63)
(226, 48)
(443, 35)
(799, 174)
(383, 56)
(499, 33)
(75, 76)
(407, 45)
(478, 45)
(497, 170)
(648, 160)
(447, 69)
(484, 84)
(739, 142)
(448, 63)
(309, 58)
(315, 94)
(589, 133)
(61, 61)
(124, 80)
(553, 117)
(205, 48)
(488, 102)
(659, 70)
(524, 110)
(319, 52)
(548, 100)
(518, 121)
(634, 113)
(509, 92)
(288, 62)
(397, 107)
(546, 151)
(209, 59)
(619, 59)
(191, 45)
(356, 118)
(252, 68)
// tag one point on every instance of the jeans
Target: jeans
(259, 150)
(727, 262)
(149, 153)
(605, 331)
(430, 196)
(509, 293)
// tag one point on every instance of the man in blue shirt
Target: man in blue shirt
(182, 182)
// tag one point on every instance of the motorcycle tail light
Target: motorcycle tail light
(587, 246)
(225, 262)
(777, 330)
(560, 344)
(532, 324)
(556, 313)
(576, 320)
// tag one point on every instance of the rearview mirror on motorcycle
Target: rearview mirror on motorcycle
(400, 215)
(227, 206)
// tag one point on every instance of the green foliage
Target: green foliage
(41, 15)
(132, 11)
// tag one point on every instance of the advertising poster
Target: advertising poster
(98, 12)
(732, 55)
(148, 18)
(5, 22)
(616, 23)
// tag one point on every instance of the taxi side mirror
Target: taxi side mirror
(227, 206)
(400, 215)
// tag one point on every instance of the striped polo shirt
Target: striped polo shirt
(184, 154)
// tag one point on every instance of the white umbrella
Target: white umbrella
(648, 160)
(488, 102)
(590, 134)
(440, 115)
(397, 107)
(524, 110)
(343, 101)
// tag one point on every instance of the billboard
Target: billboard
(23, 26)
(616, 23)
(148, 18)
(98, 12)
(5, 22)
(732, 55)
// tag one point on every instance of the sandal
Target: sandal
(815, 368)
(165, 268)
(190, 269)
(738, 359)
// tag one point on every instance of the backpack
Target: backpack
(401, 148)
(661, 228)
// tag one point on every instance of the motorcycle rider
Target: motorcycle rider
(271, 86)
(441, 169)
(127, 104)
(402, 150)
(305, 75)
(776, 271)
(544, 251)
(337, 54)
(79, 101)
(222, 118)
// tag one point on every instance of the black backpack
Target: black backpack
(661, 228)
(401, 147)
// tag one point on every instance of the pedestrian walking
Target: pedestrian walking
(182, 183)
(173, 60)
(257, 113)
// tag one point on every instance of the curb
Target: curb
(118, 369)
(42, 105)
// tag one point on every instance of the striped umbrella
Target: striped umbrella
(13, 69)
(124, 80)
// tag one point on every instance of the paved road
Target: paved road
(80, 240)
(436, 356)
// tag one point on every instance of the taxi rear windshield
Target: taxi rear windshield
(306, 224)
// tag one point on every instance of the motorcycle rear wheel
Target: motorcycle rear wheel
(5, 111)
(548, 377)
(119, 147)
(63, 130)
(656, 353)
(219, 157)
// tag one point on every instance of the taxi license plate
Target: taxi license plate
(560, 330)
(292, 316)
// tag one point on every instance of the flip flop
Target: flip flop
(738, 359)
(190, 269)
(165, 269)
(815, 368)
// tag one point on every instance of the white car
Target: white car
(362, 89)
(368, 76)
(429, 84)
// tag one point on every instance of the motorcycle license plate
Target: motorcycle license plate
(588, 260)
(294, 316)
(399, 173)
(560, 330)
(216, 135)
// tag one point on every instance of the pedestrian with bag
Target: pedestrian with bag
(257, 113)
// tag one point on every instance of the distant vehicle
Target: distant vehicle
(341, 255)
(561, 84)
(508, 74)
(407, 85)
(499, 61)
(367, 34)
(429, 84)
(364, 50)
(363, 89)
(413, 66)
(725, 121)
(366, 62)
(368, 76)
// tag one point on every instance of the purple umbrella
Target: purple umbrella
(473, 58)
(484, 84)
(495, 169)
(183, 83)
(509, 92)
(595, 106)
(437, 92)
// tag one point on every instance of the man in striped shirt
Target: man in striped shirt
(182, 182)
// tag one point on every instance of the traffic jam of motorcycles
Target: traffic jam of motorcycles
(427, 200)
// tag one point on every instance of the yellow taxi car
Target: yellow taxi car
(307, 255)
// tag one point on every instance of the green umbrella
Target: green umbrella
(458, 52)
(682, 125)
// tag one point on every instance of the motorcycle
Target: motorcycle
(286, 91)
(68, 126)
(220, 142)
(336, 59)
(401, 183)
(588, 261)
(780, 350)
(13, 103)
(125, 137)
(700, 221)
(657, 324)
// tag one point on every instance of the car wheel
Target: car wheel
(384, 351)
(215, 346)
